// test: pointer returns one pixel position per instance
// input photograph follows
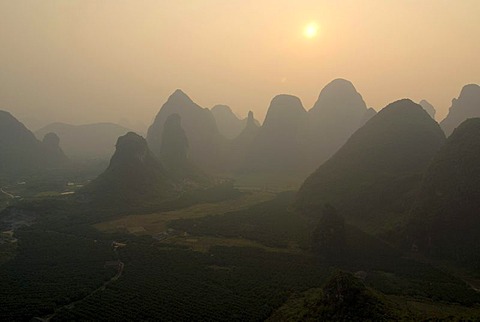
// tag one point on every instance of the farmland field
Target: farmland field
(155, 223)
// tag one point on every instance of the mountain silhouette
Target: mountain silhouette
(277, 145)
(371, 178)
(467, 105)
(205, 141)
(369, 113)
(51, 143)
(339, 111)
(174, 154)
(229, 125)
(446, 217)
(428, 107)
(134, 177)
(88, 141)
(21, 152)
(241, 144)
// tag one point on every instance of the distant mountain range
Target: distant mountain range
(290, 139)
(22, 153)
(88, 141)
(229, 125)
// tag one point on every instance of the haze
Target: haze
(118, 61)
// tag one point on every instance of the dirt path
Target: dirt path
(7, 194)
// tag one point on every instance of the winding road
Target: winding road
(7, 194)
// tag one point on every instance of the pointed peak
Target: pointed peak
(179, 92)
(251, 120)
(180, 96)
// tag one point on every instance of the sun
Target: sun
(311, 30)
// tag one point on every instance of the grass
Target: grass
(155, 223)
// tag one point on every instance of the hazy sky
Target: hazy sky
(84, 61)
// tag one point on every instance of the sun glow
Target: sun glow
(311, 30)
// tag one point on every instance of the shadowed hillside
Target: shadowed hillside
(372, 178)
(446, 215)
(134, 176)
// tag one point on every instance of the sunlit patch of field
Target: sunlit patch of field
(155, 223)
(203, 243)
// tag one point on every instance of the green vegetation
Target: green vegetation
(173, 284)
(62, 263)
(270, 223)
(155, 223)
(50, 270)
(343, 298)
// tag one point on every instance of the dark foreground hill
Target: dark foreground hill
(371, 180)
(446, 217)
(22, 153)
(344, 297)
(88, 141)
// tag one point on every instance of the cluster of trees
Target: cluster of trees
(226, 284)
(50, 270)
(270, 223)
